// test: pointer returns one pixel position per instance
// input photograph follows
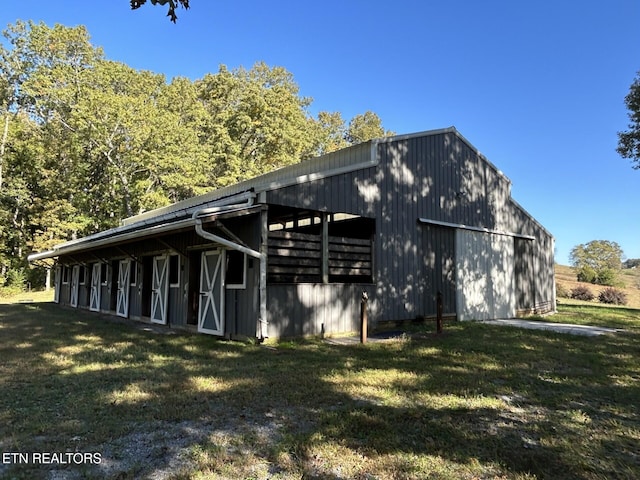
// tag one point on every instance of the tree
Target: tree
(258, 121)
(364, 127)
(85, 141)
(40, 73)
(331, 133)
(173, 4)
(629, 141)
(598, 261)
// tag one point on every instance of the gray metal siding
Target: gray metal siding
(423, 177)
(439, 275)
(177, 298)
(353, 192)
(535, 270)
(135, 292)
(83, 292)
(340, 160)
(65, 290)
(242, 305)
(312, 308)
(105, 291)
(524, 275)
(436, 176)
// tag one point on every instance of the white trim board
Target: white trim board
(475, 229)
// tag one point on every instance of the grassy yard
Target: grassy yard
(479, 401)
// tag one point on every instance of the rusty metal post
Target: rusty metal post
(439, 312)
(363, 317)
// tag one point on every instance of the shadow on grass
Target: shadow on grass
(478, 401)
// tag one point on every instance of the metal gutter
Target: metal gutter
(75, 246)
(144, 228)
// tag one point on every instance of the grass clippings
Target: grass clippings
(481, 401)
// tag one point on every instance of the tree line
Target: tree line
(86, 141)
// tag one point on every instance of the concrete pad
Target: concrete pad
(570, 328)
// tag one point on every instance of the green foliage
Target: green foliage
(612, 296)
(258, 121)
(629, 141)
(86, 141)
(598, 261)
(582, 293)
(15, 278)
(608, 277)
(587, 274)
(631, 263)
(365, 127)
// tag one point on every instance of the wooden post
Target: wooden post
(363, 317)
(439, 312)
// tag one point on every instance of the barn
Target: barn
(290, 252)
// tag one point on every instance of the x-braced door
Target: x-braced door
(211, 304)
(94, 295)
(160, 289)
(75, 285)
(122, 298)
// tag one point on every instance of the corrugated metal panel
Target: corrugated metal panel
(242, 305)
(435, 175)
(135, 291)
(524, 275)
(485, 276)
(438, 247)
(83, 289)
(354, 192)
(332, 164)
(438, 176)
(177, 301)
(310, 309)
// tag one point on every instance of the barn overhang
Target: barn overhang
(118, 238)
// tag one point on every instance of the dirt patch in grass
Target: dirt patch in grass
(479, 402)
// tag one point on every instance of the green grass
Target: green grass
(479, 401)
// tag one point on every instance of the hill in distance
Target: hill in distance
(566, 278)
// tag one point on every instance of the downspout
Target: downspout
(241, 248)
(218, 239)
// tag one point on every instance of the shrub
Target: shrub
(587, 274)
(607, 277)
(15, 278)
(582, 293)
(562, 291)
(7, 292)
(613, 296)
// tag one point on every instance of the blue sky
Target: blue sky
(537, 87)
